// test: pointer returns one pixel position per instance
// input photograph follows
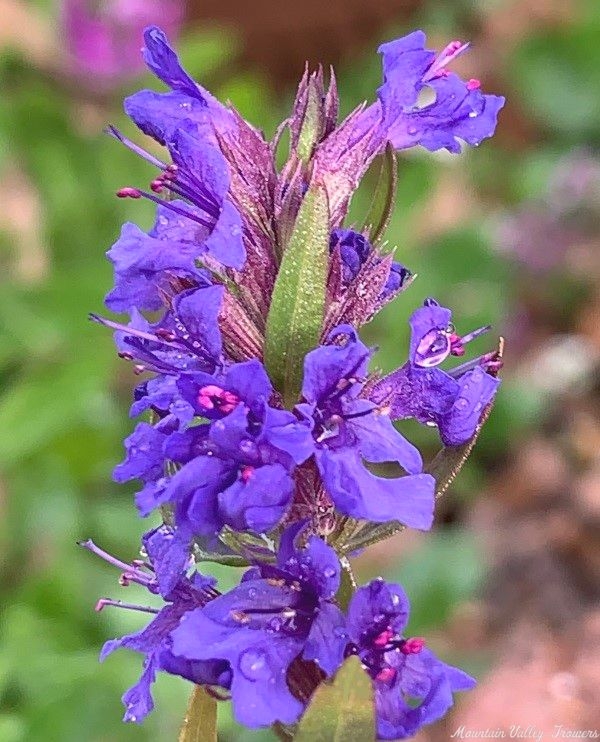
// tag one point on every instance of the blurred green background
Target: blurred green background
(507, 233)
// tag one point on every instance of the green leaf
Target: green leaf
(200, 723)
(311, 125)
(384, 196)
(295, 318)
(347, 584)
(341, 711)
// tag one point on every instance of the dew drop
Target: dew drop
(276, 623)
(473, 114)
(253, 664)
(329, 572)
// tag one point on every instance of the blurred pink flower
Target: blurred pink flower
(104, 37)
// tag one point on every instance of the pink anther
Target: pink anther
(413, 645)
(129, 192)
(246, 473)
(383, 638)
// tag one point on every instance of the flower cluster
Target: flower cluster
(250, 464)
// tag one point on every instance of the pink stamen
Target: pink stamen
(383, 638)
(386, 675)
(413, 646)
(447, 55)
(246, 473)
(453, 46)
(473, 84)
(129, 192)
(157, 185)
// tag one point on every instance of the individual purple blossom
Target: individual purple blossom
(185, 339)
(102, 37)
(236, 470)
(460, 111)
(349, 429)
(412, 686)
(201, 224)
(354, 250)
(166, 572)
(452, 400)
(275, 615)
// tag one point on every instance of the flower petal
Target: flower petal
(360, 494)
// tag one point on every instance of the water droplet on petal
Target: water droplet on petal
(473, 114)
(253, 664)
(276, 623)
(329, 572)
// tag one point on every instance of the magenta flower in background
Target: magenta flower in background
(102, 37)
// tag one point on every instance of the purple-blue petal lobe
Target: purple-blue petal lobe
(359, 493)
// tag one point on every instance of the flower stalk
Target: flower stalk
(261, 414)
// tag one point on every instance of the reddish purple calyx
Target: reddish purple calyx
(212, 397)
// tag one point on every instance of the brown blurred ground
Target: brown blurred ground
(280, 35)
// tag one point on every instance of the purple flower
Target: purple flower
(187, 338)
(237, 469)
(166, 572)
(160, 115)
(453, 400)
(412, 687)
(348, 429)
(102, 38)
(276, 614)
(460, 110)
(202, 224)
(145, 458)
(354, 250)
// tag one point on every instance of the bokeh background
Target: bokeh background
(507, 584)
